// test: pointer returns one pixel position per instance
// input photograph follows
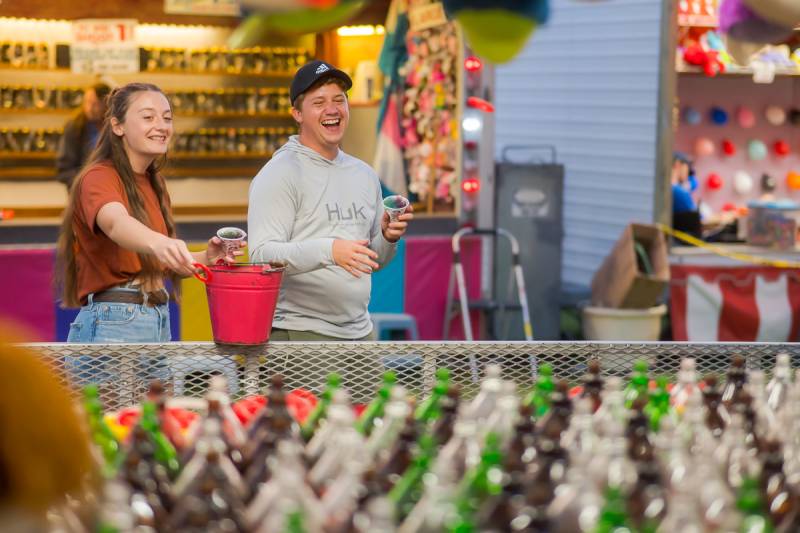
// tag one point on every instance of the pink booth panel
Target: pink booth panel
(26, 286)
(428, 264)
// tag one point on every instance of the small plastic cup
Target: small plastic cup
(395, 205)
(231, 238)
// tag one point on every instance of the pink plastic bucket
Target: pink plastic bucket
(241, 301)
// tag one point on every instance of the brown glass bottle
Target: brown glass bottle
(734, 387)
(640, 447)
(647, 503)
(522, 448)
(217, 500)
(144, 474)
(717, 416)
(592, 383)
(781, 501)
(258, 471)
(400, 456)
(442, 428)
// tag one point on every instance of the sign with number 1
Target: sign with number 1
(104, 46)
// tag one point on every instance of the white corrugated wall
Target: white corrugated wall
(588, 83)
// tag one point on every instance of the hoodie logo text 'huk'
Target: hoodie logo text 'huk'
(336, 212)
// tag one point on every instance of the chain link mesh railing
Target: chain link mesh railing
(123, 371)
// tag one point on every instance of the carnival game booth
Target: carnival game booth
(736, 123)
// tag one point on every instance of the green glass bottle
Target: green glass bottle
(428, 409)
(638, 385)
(484, 479)
(164, 450)
(613, 516)
(539, 397)
(658, 405)
(295, 523)
(375, 408)
(408, 489)
(100, 432)
(320, 411)
(751, 505)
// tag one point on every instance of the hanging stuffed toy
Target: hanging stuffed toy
(707, 60)
(751, 24)
(498, 30)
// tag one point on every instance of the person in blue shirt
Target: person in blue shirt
(685, 213)
(682, 200)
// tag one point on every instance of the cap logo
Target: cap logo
(322, 68)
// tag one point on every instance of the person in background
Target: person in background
(81, 133)
(685, 214)
(117, 248)
(319, 211)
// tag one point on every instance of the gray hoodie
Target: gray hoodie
(299, 203)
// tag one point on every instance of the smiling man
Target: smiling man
(319, 210)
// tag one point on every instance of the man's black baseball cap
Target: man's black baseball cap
(310, 73)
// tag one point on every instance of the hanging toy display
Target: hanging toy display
(747, 28)
(745, 117)
(429, 112)
(775, 115)
(714, 182)
(756, 150)
(728, 148)
(768, 183)
(793, 180)
(692, 116)
(703, 147)
(742, 183)
(719, 117)
(781, 148)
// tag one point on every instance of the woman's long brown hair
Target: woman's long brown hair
(110, 149)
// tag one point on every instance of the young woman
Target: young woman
(117, 246)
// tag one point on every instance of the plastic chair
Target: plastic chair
(395, 322)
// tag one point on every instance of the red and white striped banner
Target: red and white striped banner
(746, 304)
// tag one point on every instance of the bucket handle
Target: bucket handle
(206, 277)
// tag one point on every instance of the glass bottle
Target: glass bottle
(428, 410)
(638, 386)
(686, 386)
(165, 452)
(717, 416)
(99, 431)
(490, 391)
(593, 384)
(613, 516)
(778, 386)
(751, 505)
(320, 410)
(391, 424)
(734, 387)
(442, 428)
(375, 409)
(658, 407)
(539, 398)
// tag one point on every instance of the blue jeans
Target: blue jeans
(111, 323)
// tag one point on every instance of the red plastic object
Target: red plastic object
(472, 64)
(714, 181)
(781, 148)
(480, 103)
(241, 301)
(728, 148)
(471, 185)
(729, 207)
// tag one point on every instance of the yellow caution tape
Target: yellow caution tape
(719, 250)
